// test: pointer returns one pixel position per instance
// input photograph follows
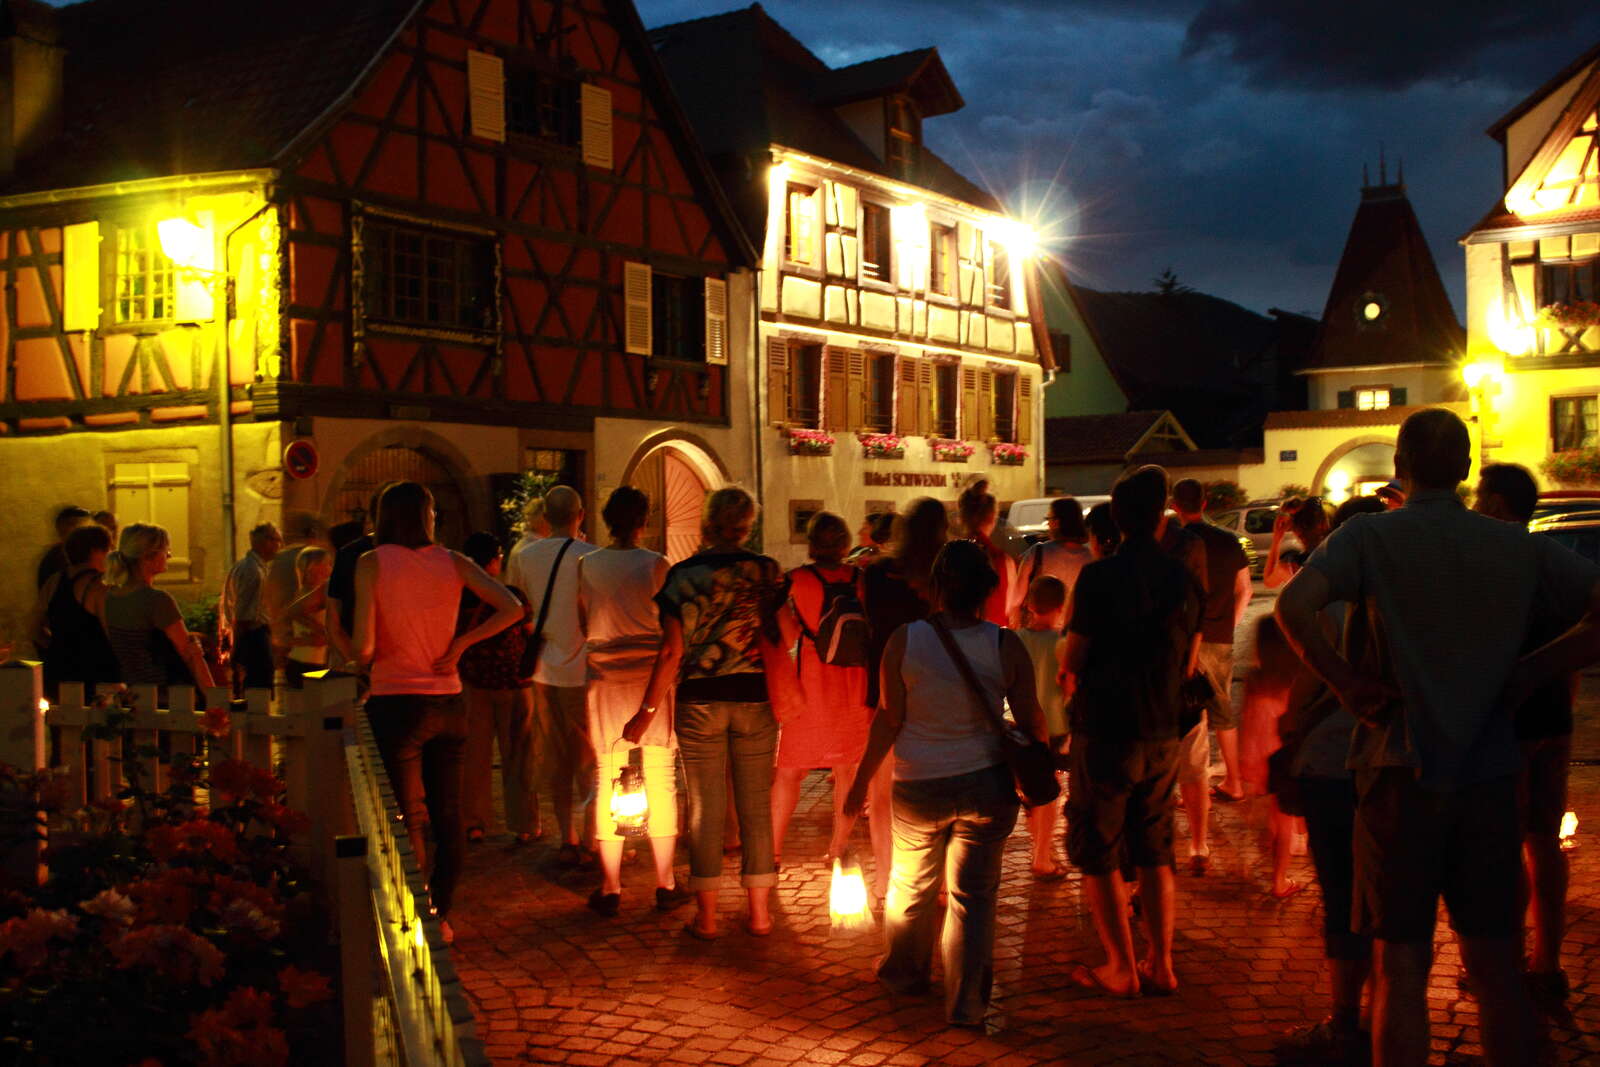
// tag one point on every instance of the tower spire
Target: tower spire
(1383, 167)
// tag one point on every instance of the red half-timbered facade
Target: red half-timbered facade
(451, 240)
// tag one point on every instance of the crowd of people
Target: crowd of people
(1408, 710)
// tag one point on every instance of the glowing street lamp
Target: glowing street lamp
(187, 244)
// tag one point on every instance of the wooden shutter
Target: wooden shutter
(985, 405)
(595, 115)
(969, 404)
(716, 321)
(927, 395)
(906, 405)
(1397, 397)
(636, 319)
(486, 90)
(80, 261)
(855, 415)
(835, 388)
(1024, 426)
(1347, 398)
(777, 381)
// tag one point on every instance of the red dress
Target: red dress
(833, 731)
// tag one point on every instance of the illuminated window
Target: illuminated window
(942, 259)
(1574, 422)
(999, 276)
(800, 236)
(879, 408)
(143, 282)
(1372, 399)
(805, 386)
(877, 244)
(423, 277)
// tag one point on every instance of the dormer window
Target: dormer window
(904, 135)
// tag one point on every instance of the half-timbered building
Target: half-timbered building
(1533, 283)
(260, 258)
(901, 337)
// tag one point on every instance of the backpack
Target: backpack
(841, 635)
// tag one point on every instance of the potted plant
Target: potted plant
(803, 442)
(1005, 454)
(882, 445)
(1571, 314)
(1577, 467)
(950, 451)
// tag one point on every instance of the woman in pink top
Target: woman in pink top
(980, 512)
(408, 591)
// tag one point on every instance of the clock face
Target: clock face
(1371, 310)
(1370, 307)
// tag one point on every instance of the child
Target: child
(1046, 603)
(1266, 698)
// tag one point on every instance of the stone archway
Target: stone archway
(407, 453)
(1319, 485)
(676, 471)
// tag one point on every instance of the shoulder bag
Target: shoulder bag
(535, 646)
(1033, 767)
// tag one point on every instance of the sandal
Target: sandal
(1149, 986)
(1290, 890)
(1222, 796)
(1083, 976)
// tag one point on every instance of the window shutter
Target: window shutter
(906, 405)
(595, 111)
(835, 388)
(1024, 426)
(969, 404)
(985, 405)
(486, 88)
(80, 260)
(855, 391)
(636, 308)
(717, 321)
(1347, 398)
(777, 381)
(926, 397)
(1397, 397)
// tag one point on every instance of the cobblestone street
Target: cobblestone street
(551, 982)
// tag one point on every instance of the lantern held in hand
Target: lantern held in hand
(1569, 830)
(630, 808)
(847, 898)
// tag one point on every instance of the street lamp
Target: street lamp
(1485, 379)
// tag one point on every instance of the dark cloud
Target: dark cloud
(1385, 44)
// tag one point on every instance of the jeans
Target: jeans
(951, 830)
(501, 717)
(709, 737)
(423, 741)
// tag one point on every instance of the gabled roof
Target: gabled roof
(192, 86)
(747, 84)
(1529, 102)
(920, 74)
(1386, 261)
(1104, 438)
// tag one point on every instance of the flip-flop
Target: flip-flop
(1294, 887)
(1083, 976)
(693, 930)
(1149, 986)
(1050, 874)
(1222, 796)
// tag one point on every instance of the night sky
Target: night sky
(1221, 138)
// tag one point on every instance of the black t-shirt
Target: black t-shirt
(1224, 560)
(1139, 610)
(1548, 712)
(54, 561)
(342, 581)
(889, 602)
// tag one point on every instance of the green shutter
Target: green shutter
(1347, 398)
(1397, 397)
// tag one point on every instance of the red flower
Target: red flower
(264, 785)
(197, 837)
(167, 898)
(286, 820)
(217, 722)
(240, 1033)
(230, 779)
(173, 951)
(303, 988)
(225, 891)
(28, 938)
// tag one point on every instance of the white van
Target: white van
(1031, 518)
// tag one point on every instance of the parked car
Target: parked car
(1031, 518)
(1252, 524)
(1578, 530)
(1566, 501)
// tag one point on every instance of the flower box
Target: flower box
(950, 451)
(1573, 314)
(810, 443)
(882, 446)
(1008, 455)
(1577, 468)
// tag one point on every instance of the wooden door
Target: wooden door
(397, 463)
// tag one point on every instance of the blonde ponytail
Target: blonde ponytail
(116, 569)
(138, 540)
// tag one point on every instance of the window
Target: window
(946, 390)
(1573, 422)
(805, 386)
(541, 104)
(1260, 520)
(1372, 399)
(677, 318)
(800, 513)
(1569, 283)
(942, 259)
(877, 244)
(158, 493)
(144, 276)
(880, 393)
(905, 132)
(422, 277)
(800, 235)
(999, 276)
(1005, 405)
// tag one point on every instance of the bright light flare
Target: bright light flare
(1483, 374)
(1569, 830)
(187, 244)
(847, 897)
(1512, 338)
(630, 806)
(44, 705)
(1338, 485)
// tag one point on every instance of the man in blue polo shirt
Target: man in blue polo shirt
(1451, 593)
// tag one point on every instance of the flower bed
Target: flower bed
(1008, 455)
(168, 932)
(882, 445)
(950, 451)
(1579, 467)
(810, 443)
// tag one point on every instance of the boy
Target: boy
(1046, 602)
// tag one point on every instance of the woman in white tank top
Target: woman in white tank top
(951, 782)
(408, 592)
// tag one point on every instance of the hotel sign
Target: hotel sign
(905, 478)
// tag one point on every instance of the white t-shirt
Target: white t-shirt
(562, 662)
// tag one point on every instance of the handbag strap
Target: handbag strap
(549, 587)
(964, 666)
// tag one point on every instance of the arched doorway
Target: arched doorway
(400, 463)
(1356, 468)
(677, 492)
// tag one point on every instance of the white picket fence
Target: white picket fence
(403, 1004)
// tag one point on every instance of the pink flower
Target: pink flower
(27, 939)
(174, 951)
(111, 906)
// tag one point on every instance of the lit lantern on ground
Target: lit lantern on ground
(630, 808)
(847, 898)
(1569, 830)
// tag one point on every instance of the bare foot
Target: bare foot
(1106, 979)
(1156, 981)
